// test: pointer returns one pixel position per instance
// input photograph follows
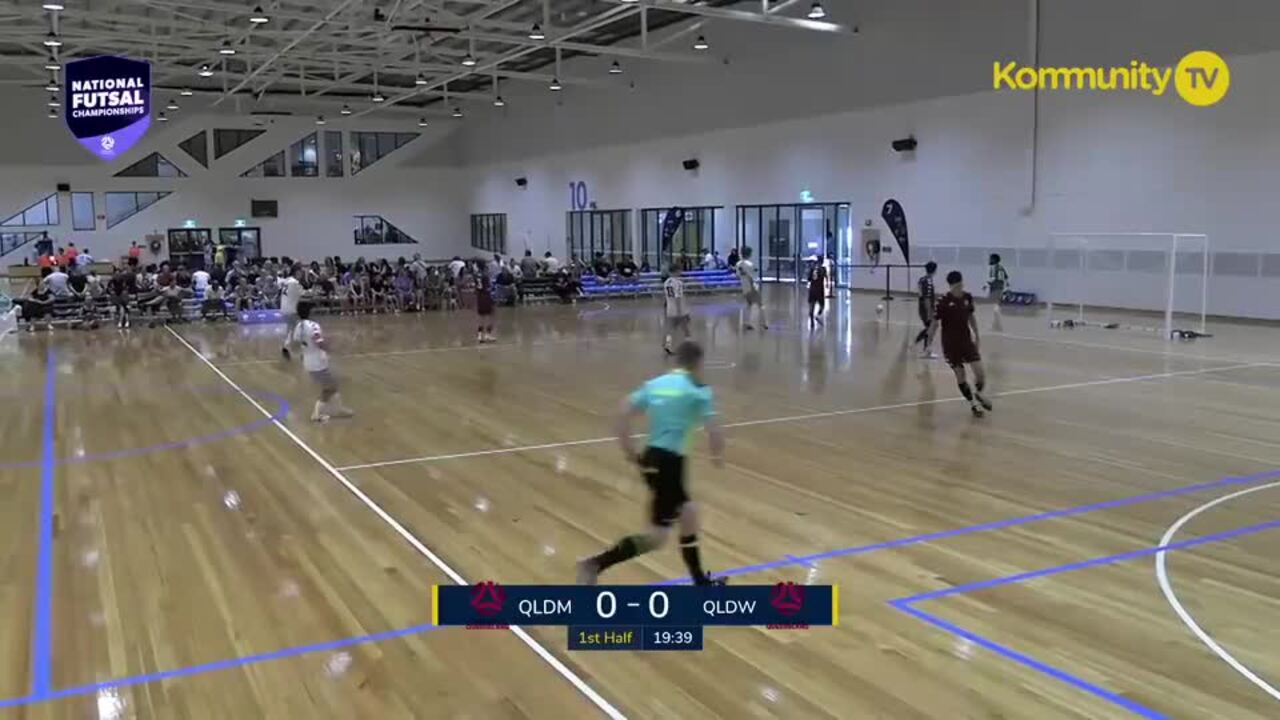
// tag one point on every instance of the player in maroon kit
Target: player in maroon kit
(954, 313)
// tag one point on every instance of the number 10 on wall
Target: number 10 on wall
(578, 199)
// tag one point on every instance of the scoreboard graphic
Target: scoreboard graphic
(635, 617)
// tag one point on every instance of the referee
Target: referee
(676, 404)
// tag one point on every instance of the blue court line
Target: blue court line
(42, 624)
(788, 560)
(282, 410)
(907, 605)
(986, 527)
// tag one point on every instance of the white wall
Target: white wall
(1106, 162)
(412, 188)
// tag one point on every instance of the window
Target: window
(11, 241)
(607, 232)
(153, 165)
(224, 141)
(373, 230)
(489, 232)
(304, 157)
(368, 148)
(44, 212)
(197, 146)
(333, 153)
(123, 205)
(271, 167)
(82, 212)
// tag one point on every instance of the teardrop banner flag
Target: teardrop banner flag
(107, 103)
(896, 218)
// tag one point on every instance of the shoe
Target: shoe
(709, 581)
(319, 418)
(926, 355)
(667, 349)
(343, 412)
(588, 573)
(748, 327)
(284, 353)
(977, 410)
(982, 401)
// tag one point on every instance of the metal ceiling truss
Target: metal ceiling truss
(325, 54)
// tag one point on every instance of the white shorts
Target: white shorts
(751, 297)
(325, 380)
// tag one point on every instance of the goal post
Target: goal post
(1099, 279)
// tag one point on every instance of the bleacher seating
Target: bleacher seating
(695, 282)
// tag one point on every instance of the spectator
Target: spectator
(135, 253)
(529, 265)
(46, 261)
(717, 263)
(627, 268)
(200, 281)
(495, 266)
(57, 282)
(455, 267)
(550, 265)
(69, 258)
(83, 261)
(708, 260)
(602, 267)
(733, 258)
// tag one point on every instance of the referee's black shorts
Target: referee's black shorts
(664, 471)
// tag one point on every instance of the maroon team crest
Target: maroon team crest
(487, 598)
(787, 598)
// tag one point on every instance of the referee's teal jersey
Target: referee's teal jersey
(676, 406)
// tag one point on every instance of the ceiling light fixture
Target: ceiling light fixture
(52, 40)
(162, 118)
(173, 105)
(51, 5)
(186, 92)
(53, 113)
(615, 68)
(457, 112)
(319, 119)
(422, 122)
(499, 102)
(701, 43)
(346, 109)
(258, 17)
(469, 60)
(226, 48)
(52, 86)
(555, 85)
(206, 71)
(52, 64)
(816, 11)
(535, 32)
(53, 101)
(377, 97)
(422, 80)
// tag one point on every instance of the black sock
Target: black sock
(627, 548)
(966, 392)
(920, 337)
(692, 560)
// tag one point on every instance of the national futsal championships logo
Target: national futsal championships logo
(1201, 78)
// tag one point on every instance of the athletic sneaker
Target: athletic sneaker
(977, 410)
(984, 402)
(714, 581)
(588, 573)
(284, 353)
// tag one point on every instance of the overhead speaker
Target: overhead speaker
(904, 145)
(64, 187)
(522, 182)
(692, 164)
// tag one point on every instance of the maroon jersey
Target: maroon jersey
(954, 313)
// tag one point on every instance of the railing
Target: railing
(888, 274)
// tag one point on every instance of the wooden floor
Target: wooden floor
(201, 562)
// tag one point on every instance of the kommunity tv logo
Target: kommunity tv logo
(1201, 78)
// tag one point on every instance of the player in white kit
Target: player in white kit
(315, 358)
(750, 289)
(676, 311)
(290, 296)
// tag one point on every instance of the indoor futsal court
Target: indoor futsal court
(206, 552)
(639, 360)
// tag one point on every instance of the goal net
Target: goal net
(1153, 282)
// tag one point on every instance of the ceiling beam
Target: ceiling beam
(770, 18)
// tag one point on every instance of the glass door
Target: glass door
(239, 243)
(189, 246)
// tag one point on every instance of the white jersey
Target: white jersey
(673, 297)
(200, 280)
(747, 275)
(290, 297)
(307, 334)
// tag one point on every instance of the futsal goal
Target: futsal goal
(1152, 282)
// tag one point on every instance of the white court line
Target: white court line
(409, 537)
(449, 348)
(810, 416)
(1162, 577)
